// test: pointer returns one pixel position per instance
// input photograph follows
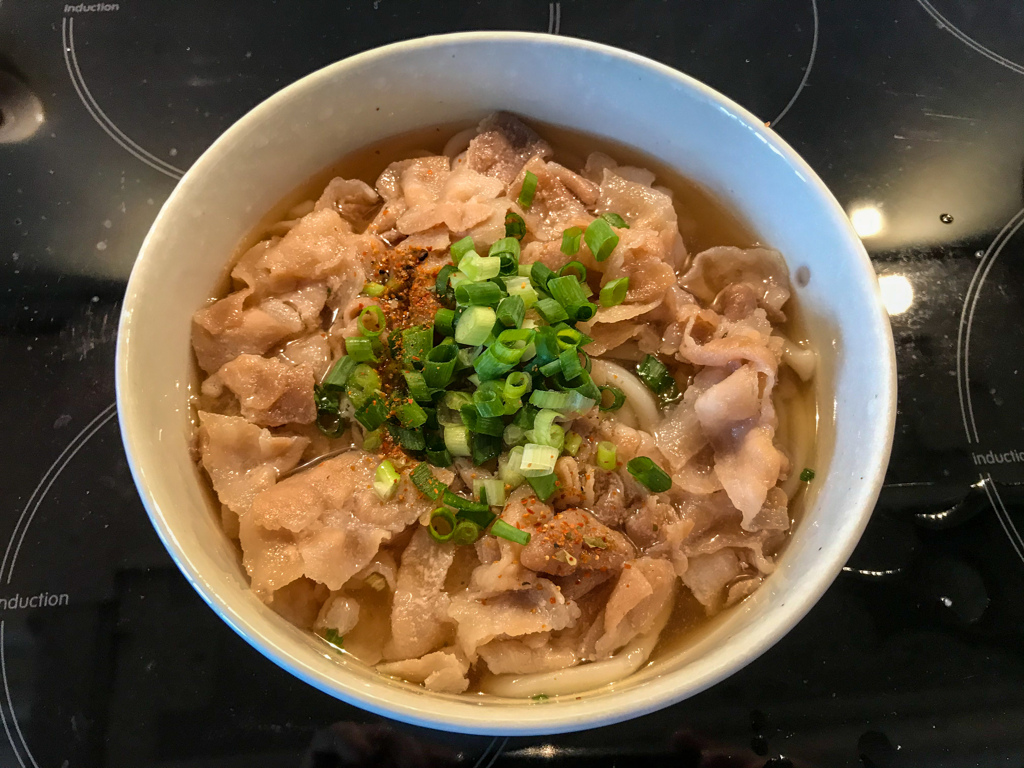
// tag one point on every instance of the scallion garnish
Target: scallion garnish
(806, 475)
(600, 239)
(649, 474)
(540, 273)
(480, 268)
(466, 532)
(461, 248)
(373, 289)
(528, 190)
(538, 460)
(417, 385)
(385, 480)
(516, 385)
(551, 311)
(615, 220)
(511, 311)
(337, 377)
(573, 441)
(571, 241)
(505, 531)
(371, 321)
(654, 374)
(618, 398)
(523, 288)
(416, 343)
(442, 525)
(373, 412)
(485, 294)
(332, 636)
(544, 485)
(444, 322)
(514, 225)
(456, 440)
(440, 365)
(474, 326)
(606, 455)
(614, 291)
(576, 269)
(360, 349)
(426, 483)
(443, 276)
(410, 414)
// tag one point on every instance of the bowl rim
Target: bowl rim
(408, 706)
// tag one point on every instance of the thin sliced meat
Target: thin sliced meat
(351, 198)
(441, 671)
(554, 208)
(644, 208)
(645, 587)
(419, 620)
(271, 391)
(540, 608)
(574, 541)
(708, 575)
(517, 656)
(241, 459)
(763, 269)
(340, 613)
(503, 146)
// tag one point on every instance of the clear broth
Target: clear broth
(704, 221)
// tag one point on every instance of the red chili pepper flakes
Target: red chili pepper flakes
(552, 600)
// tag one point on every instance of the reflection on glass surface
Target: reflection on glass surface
(867, 220)
(897, 293)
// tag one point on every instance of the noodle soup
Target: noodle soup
(504, 414)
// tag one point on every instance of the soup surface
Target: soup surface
(500, 415)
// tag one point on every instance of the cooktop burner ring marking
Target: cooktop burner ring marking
(554, 18)
(497, 752)
(49, 477)
(93, 107)
(807, 69)
(10, 705)
(963, 350)
(969, 41)
(1003, 515)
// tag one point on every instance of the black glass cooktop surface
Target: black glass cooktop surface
(912, 111)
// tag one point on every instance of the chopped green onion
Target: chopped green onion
(806, 475)
(573, 441)
(569, 361)
(568, 292)
(505, 245)
(617, 401)
(408, 438)
(614, 291)
(385, 480)
(485, 448)
(511, 311)
(538, 460)
(570, 337)
(443, 276)
(510, 532)
(514, 225)
(439, 458)
(571, 241)
(461, 248)
(479, 268)
(649, 474)
(371, 321)
(585, 311)
(466, 533)
(523, 288)
(337, 377)
(527, 192)
(330, 423)
(511, 344)
(545, 431)
(485, 294)
(606, 458)
(475, 325)
(476, 423)
(373, 289)
(417, 385)
(595, 542)
(426, 483)
(490, 491)
(514, 435)
(456, 440)
(444, 322)
(574, 269)
(456, 280)
(550, 369)
(362, 383)
(540, 273)
(471, 510)
(516, 385)
(508, 467)
(416, 343)
(600, 239)
(546, 398)
(372, 441)
(544, 485)
(360, 349)
(488, 366)
(654, 374)
(410, 414)
(442, 525)
(615, 220)
(373, 412)
(332, 636)
(488, 403)
(439, 367)
(551, 311)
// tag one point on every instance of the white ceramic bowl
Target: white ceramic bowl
(581, 85)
